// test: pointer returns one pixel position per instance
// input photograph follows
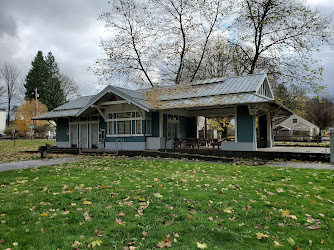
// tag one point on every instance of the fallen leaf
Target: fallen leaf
(44, 214)
(2, 241)
(15, 244)
(96, 243)
(261, 236)
(121, 214)
(87, 202)
(291, 241)
(277, 244)
(120, 222)
(201, 245)
(144, 233)
(313, 227)
(158, 195)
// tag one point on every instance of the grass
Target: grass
(9, 152)
(119, 204)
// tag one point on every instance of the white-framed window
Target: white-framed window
(173, 123)
(125, 123)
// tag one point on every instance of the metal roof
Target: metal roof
(232, 99)
(211, 92)
(211, 87)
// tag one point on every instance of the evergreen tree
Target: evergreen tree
(44, 75)
(54, 93)
(36, 77)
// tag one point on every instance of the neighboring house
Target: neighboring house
(2, 121)
(148, 119)
(294, 125)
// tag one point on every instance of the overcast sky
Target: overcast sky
(71, 31)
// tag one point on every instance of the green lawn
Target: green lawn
(10, 152)
(122, 204)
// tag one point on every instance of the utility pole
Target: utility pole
(36, 105)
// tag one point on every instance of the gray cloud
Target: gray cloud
(7, 24)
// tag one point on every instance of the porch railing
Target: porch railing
(119, 142)
(81, 142)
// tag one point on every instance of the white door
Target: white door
(84, 135)
(74, 136)
(95, 135)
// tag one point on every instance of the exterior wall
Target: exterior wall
(2, 121)
(154, 143)
(126, 143)
(62, 136)
(245, 132)
(155, 124)
(301, 125)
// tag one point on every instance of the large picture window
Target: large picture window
(126, 123)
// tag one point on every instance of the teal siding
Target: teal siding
(62, 129)
(155, 124)
(133, 122)
(245, 125)
(127, 139)
(103, 124)
(143, 126)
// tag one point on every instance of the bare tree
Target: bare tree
(155, 39)
(283, 33)
(10, 75)
(69, 86)
(320, 111)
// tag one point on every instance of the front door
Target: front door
(83, 136)
(74, 136)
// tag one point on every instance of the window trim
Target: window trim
(112, 120)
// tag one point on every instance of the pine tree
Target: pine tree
(36, 77)
(44, 75)
(54, 93)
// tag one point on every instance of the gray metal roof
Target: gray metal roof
(232, 99)
(75, 104)
(212, 87)
(211, 92)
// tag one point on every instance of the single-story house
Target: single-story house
(149, 119)
(294, 125)
(2, 121)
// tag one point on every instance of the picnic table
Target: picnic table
(193, 142)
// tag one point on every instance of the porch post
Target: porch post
(246, 127)
(205, 128)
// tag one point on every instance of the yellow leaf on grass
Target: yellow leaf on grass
(201, 245)
(286, 213)
(277, 244)
(261, 236)
(291, 241)
(228, 210)
(87, 202)
(96, 243)
(44, 214)
(158, 195)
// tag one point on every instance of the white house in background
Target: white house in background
(2, 120)
(295, 125)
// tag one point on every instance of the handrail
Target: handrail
(81, 142)
(119, 140)
(100, 141)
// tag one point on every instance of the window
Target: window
(149, 127)
(126, 123)
(139, 127)
(123, 127)
(294, 120)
